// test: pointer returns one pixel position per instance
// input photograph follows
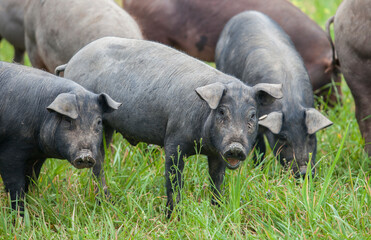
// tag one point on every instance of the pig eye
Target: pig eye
(67, 119)
(282, 137)
(221, 111)
(252, 116)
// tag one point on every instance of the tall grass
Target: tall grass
(258, 203)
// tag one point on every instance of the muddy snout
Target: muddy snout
(84, 159)
(302, 171)
(234, 154)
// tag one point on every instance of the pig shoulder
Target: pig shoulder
(25, 95)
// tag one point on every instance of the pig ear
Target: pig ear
(65, 104)
(211, 93)
(315, 120)
(109, 105)
(266, 93)
(272, 121)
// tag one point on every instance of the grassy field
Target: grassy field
(263, 204)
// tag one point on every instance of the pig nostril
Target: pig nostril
(235, 153)
(79, 161)
(303, 171)
(241, 156)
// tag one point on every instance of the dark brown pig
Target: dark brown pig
(11, 26)
(194, 26)
(352, 28)
(56, 30)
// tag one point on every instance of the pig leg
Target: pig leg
(260, 149)
(363, 112)
(12, 163)
(33, 171)
(217, 172)
(18, 55)
(98, 170)
(174, 165)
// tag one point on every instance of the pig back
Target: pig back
(255, 49)
(59, 33)
(155, 83)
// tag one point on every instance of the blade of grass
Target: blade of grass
(330, 172)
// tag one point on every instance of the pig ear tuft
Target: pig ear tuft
(109, 105)
(211, 93)
(272, 121)
(315, 121)
(65, 104)
(266, 93)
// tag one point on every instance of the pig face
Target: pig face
(295, 143)
(79, 128)
(232, 125)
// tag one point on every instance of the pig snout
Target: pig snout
(234, 154)
(84, 159)
(301, 172)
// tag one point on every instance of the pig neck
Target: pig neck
(46, 136)
(207, 143)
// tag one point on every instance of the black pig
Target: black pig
(173, 100)
(352, 29)
(256, 50)
(43, 116)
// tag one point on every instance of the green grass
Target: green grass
(263, 204)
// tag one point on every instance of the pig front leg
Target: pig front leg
(98, 170)
(217, 171)
(33, 171)
(260, 149)
(174, 165)
(12, 166)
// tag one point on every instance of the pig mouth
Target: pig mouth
(233, 163)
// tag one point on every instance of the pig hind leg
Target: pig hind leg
(217, 171)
